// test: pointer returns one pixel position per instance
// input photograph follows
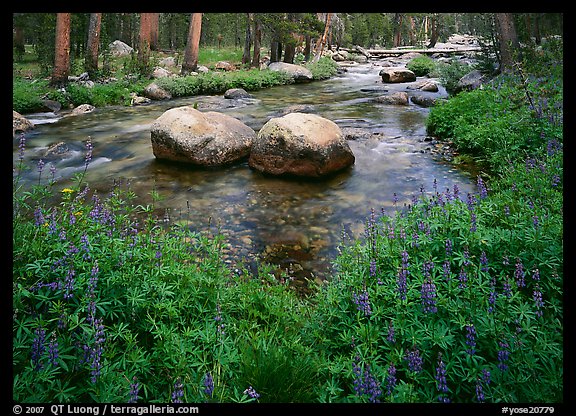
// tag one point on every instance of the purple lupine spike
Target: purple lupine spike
(362, 302)
(391, 333)
(208, 384)
(428, 296)
(414, 359)
(134, 389)
(471, 338)
(519, 274)
(38, 347)
(250, 392)
(391, 379)
(178, 392)
(503, 355)
(441, 384)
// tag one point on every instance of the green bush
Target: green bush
(421, 65)
(26, 95)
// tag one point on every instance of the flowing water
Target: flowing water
(294, 223)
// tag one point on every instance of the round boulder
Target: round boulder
(184, 134)
(300, 144)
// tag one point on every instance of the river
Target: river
(296, 224)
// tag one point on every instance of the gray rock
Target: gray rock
(184, 134)
(300, 144)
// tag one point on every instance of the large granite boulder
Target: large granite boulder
(397, 75)
(20, 124)
(298, 73)
(300, 144)
(184, 134)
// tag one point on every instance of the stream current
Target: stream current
(296, 224)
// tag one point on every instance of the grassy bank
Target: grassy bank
(121, 79)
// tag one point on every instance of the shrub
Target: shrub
(421, 65)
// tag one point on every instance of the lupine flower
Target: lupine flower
(391, 379)
(178, 392)
(38, 347)
(507, 287)
(391, 335)
(482, 187)
(486, 376)
(69, 284)
(362, 302)
(250, 392)
(208, 384)
(471, 338)
(448, 247)
(96, 351)
(503, 355)
(519, 274)
(218, 319)
(21, 147)
(536, 275)
(414, 359)
(89, 149)
(134, 389)
(492, 300)
(364, 382)
(483, 262)
(480, 392)
(446, 269)
(53, 351)
(38, 217)
(538, 302)
(463, 278)
(440, 377)
(428, 295)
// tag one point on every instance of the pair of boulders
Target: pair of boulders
(297, 144)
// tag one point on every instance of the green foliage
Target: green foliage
(451, 72)
(487, 257)
(421, 66)
(26, 95)
(324, 68)
(218, 82)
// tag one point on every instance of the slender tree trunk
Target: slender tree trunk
(91, 60)
(144, 42)
(508, 40)
(18, 41)
(257, 42)
(154, 25)
(307, 47)
(190, 62)
(433, 31)
(397, 29)
(247, 40)
(62, 50)
(322, 41)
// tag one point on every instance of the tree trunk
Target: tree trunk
(144, 42)
(154, 23)
(322, 41)
(247, 40)
(18, 41)
(508, 40)
(257, 42)
(275, 51)
(433, 31)
(190, 62)
(307, 47)
(397, 29)
(91, 60)
(62, 50)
